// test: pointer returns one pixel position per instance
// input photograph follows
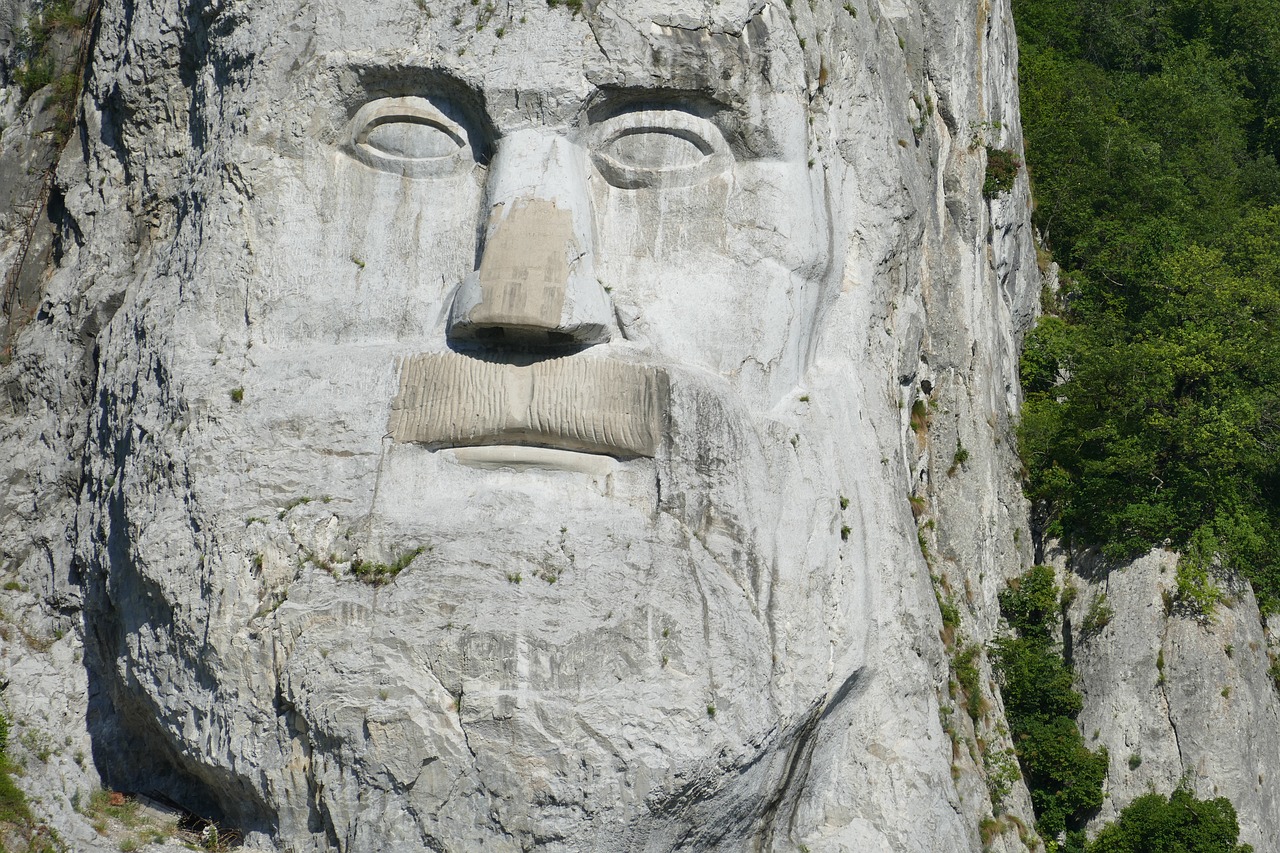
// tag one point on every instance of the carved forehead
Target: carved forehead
(522, 63)
(723, 16)
(724, 54)
(724, 49)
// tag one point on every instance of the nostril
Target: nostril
(530, 339)
(561, 340)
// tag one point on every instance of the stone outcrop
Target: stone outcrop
(1177, 697)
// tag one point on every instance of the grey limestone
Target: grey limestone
(609, 329)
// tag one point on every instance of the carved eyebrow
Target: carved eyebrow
(455, 97)
(607, 103)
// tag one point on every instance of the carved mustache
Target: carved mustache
(574, 403)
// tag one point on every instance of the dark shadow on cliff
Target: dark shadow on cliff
(135, 749)
(750, 803)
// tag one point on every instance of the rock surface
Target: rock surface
(1176, 697)
(733, 643)
(254, 592)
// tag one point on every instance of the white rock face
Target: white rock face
(1176, 698)
(659, 583)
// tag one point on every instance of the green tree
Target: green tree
(1153, 397)
(1168, 426)
(1179, 823)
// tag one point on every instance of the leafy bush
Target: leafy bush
(1197, 594)
(1035, 682)
(1002, 171)
(1063, 776)
(1098, 616)
(965, 666)
(1030, 603)
(1196, 590)
(1179, 823)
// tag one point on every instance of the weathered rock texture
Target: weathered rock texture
(1177, 697)
(720, 633)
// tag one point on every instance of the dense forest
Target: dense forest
(1153, 384)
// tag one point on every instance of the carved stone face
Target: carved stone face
(515, 305)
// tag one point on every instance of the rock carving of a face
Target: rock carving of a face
(511, 301)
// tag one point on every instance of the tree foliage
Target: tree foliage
(1063, 775)
(1179, 823)
(1153, 397)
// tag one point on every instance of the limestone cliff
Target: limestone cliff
(1177, 697)
(519, 426)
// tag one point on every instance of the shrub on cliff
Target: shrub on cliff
(15, 816)
(1063, 775)
(1179, 823)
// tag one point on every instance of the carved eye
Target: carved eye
(409, 136)
(658, 148)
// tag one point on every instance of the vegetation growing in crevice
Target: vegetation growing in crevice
(1196, 593)
(574, 6)
(37, 66)
(964, 665)
(41, 62)
(947, 609)
(20, 832)
(1001, 767)
(965, 690)
(1064, 777)
(1002, 171)
(380, 574)
(1098, 616)
(1273, 671)
(919, 416)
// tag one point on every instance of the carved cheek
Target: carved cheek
(666, 226)
(348, 253)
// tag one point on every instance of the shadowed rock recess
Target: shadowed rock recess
(515, 426)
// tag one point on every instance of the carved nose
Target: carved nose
(536, 284)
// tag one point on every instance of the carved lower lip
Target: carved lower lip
(579, 403)
(524, 457)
